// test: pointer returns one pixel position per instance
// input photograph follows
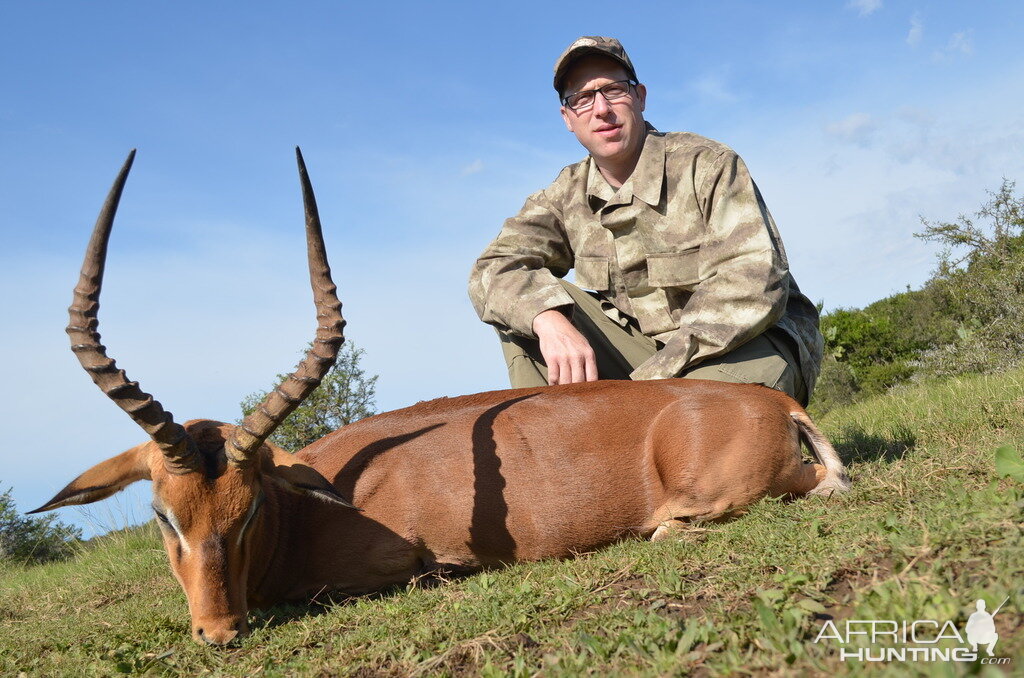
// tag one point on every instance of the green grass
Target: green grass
(928, 528)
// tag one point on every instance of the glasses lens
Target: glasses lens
(581, 100)
(615, 90)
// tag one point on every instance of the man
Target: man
(688, 272)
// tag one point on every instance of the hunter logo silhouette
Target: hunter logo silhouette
(981, 627)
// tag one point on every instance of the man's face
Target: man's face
(612, 131)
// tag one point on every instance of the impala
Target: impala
(455, 483)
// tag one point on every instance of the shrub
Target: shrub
(836, 386)
(980, 278)
(880, 344)
(33, 539)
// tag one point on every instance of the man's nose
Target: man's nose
(601, 105)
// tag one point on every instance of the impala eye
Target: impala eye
(161, 517)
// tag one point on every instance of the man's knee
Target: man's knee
(763, 360)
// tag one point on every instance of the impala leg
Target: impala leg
(798, 480)
(674, 526)
(667, 528)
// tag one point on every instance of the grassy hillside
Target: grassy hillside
(928, 529)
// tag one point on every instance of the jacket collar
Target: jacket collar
(645, 182)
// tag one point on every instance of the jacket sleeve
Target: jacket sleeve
(517, 275)
(743, 271)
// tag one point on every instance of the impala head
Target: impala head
(210, 480)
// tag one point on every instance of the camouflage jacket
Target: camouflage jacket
(686, 247)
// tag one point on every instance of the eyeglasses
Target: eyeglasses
(584, 100)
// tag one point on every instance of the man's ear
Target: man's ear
(289, 473)
(104, 479)
(641, 95)
(565, 117)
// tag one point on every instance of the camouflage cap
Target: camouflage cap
(591, 44)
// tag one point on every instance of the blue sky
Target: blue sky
(424, 125)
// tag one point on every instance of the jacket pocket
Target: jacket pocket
(673, 269)
(592, 273)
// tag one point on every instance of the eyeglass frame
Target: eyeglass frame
(630, 82)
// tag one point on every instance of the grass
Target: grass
(929, 528)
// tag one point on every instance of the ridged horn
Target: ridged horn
(280, 402)
(178, 448)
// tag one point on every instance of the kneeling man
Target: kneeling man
(680, 270)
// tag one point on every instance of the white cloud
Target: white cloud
(960, 43)
(472, 168)
(960, 148)
(712, 89)
(916, 31)
(865, 7)
(857, 128)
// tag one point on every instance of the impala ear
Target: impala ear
(287, 471)
(103, 479)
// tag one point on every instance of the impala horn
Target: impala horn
(280, 402)
(179, 450)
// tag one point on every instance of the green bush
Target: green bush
(980, 278)
(883, 376)
(33, 539)
(881, 343)
(837, 386)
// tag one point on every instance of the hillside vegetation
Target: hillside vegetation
(28, 539)
(968, 318)
(930, 527)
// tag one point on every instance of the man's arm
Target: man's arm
(743, 269)
(514, 285)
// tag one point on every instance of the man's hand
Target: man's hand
(566, 352)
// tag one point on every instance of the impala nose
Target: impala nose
(221, 634)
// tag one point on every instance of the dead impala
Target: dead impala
(456, 483)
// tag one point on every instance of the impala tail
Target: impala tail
(835, 479)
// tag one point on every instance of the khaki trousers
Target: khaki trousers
(769, 359)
